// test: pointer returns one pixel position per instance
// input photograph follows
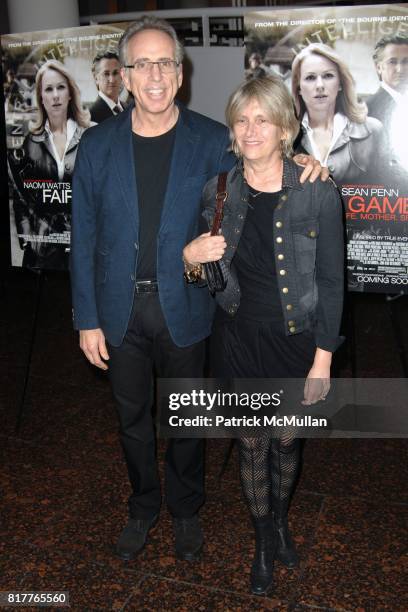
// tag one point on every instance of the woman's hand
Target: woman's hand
(317, 384)
(313, 168)
(204, 248)
(43, 229)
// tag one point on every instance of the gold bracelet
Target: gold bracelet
(192, 272)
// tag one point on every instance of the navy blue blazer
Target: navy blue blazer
(105, 226)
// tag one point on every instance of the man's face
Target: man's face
(254, 62)
(393, 67)
(154, 92)
(107, 78)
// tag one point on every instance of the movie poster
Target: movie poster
(55, 88)
(353, 114)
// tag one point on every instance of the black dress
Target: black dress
(253, 344)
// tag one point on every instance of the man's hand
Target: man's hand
(92, 342)
(313, 168)
(204, 248)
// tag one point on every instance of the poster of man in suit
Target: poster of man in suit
(390, 57)
(106, 72)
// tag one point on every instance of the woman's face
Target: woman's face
(319, 83)
(55, 94)
(257, 137)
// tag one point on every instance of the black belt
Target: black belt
(146, 286)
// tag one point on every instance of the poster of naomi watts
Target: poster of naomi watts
(347, 69)
(57, 84)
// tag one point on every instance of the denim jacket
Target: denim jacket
(309, 251)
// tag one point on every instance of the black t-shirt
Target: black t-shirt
(152, 166)
(254, 262)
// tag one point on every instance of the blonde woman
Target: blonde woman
(48, 157)
(335, 127)
(279, 316)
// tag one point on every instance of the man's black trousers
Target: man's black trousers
(147, 346)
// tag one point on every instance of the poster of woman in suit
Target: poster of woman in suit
(347, 70)
(49, 90)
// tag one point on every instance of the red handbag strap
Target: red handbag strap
(220, 200)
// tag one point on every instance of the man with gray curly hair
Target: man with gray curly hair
(136, 201)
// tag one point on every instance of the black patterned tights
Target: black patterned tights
(268, 470)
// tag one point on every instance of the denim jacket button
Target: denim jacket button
(282, 272)
(279, 224)
(312, 234)
(284, 197)
(281, 256)
(279, 239)
(291, 323)
(289, 306)
(292, 329)
(285, 290)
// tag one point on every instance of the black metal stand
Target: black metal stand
(351, 332)
(39, 288)
(2, 287)
(227, 457)
(391, 303)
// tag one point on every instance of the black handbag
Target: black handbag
(215, 271)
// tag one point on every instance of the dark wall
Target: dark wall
(4, 210)
(4, 21)
(4, 207)
(100, 7)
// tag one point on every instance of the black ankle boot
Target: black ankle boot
(285, 546)
(265, 544)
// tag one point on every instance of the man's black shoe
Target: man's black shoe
(133, 537)
(189, 538)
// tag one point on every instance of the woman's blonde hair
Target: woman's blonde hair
(346, 101)
(75, 110)
(274, 97)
